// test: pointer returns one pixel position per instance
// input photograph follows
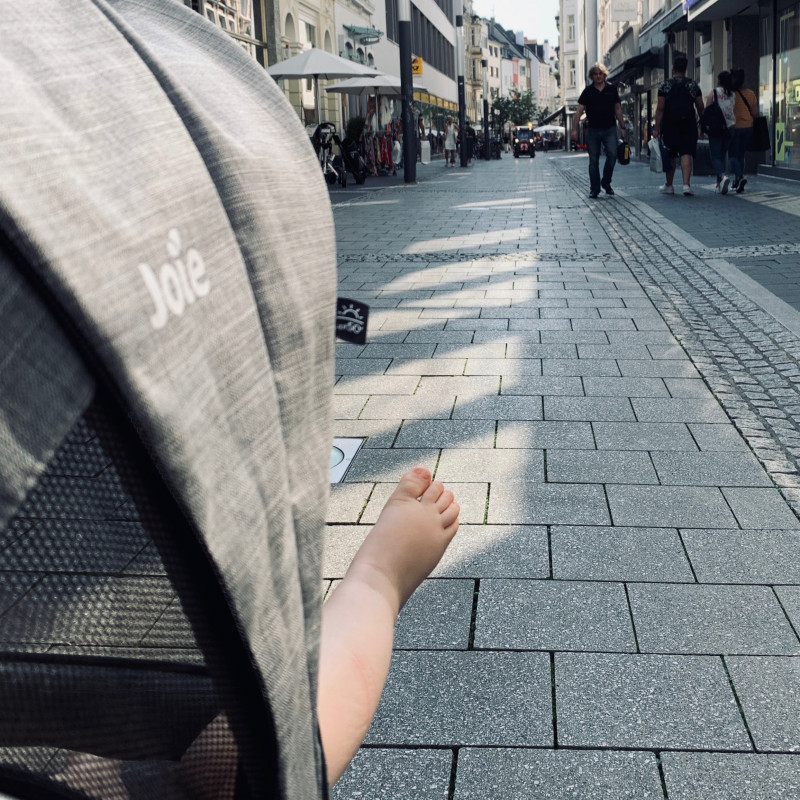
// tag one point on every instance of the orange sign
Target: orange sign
(416, 65)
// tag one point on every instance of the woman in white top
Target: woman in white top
(718, 144)
(450, 131)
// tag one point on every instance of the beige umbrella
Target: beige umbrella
(316, 63)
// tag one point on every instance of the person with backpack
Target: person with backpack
(601, 102)
(680, 105)
(744, 109)
(718, 121)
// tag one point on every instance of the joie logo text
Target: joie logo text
(178, 283)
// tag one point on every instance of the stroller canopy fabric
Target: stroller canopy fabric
(166, 338)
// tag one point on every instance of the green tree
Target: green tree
(518, 108)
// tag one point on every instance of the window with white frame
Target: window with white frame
(571, 73)
(571, 28)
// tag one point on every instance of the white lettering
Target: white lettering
(179, 283)
(159, 319)
(197, 270)
(171, 289)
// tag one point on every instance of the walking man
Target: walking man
(603, 110)
(676, 123)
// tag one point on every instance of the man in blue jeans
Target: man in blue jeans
(600, 101)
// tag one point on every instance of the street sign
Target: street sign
(416, 65)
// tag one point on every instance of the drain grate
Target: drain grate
(342, 454)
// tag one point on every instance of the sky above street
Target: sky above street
(536, 18)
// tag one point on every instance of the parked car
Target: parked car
(523, 143)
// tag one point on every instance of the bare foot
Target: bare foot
(417, 523)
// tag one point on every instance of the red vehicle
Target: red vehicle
(523, 143)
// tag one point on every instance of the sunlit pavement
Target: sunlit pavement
(615, 403)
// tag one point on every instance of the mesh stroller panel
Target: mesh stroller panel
(122, 675)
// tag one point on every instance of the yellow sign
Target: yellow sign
(416, 65)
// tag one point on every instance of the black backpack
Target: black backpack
(679, 104)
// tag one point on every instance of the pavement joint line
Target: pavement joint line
(683, 318)
(738, 702)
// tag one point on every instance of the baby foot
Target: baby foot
(412, 532)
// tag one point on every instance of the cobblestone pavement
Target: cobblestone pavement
(616, 407)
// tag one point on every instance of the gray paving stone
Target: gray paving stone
(527, 324)
(578, 367)
(468, 324)
(446, 433)
(395, 774)
(688, 388)
(605, 324)
(496, 551)
(553, 615)
(669, 506)
(646, 701)
(701, 619)
(487, 350)
(574, 337)
(643, 436)
(666, 351)
(375, 432)
(599, 466)
(624, 387)
(563, 435)
(398, 350)
(341, 542)
(678, 410)
(425, 336)
(547, 504)
(769, 691)
(376, 384)
(517, 349)
(418, 406)
(744, 556)
(619, 554)
(495, 408)
(500, 699)
(525, 774)
(789, 597)
(710, 469)
(490, 465)
(348, 406)
(426, 366)
(640, 368)
(760, 508)
(348, 501)
(437, 616)
(615, 351)
(718, 776)
(718, 437)
(533, 385)
(388, 465)
(503, 366)
(605, 409)
(439, 386)
(361, 366)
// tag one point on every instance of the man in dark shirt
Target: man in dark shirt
(680, 106)
(603, 110)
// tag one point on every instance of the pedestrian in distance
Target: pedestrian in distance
(450, 133)
(600, 100)
(680, 106)
(744, 110)
(719, 129)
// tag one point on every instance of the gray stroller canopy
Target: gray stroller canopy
(166, 338)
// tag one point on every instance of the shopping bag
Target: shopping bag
(761, 138)
(655, 155)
